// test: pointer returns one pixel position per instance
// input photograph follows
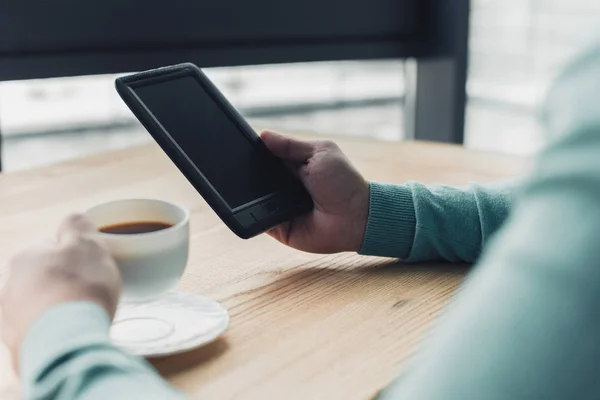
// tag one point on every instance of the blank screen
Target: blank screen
(238, 170)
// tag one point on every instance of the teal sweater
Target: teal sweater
(416, 222)
(523, 325)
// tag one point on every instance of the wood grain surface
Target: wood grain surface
(303, 326)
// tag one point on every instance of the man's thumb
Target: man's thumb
(73, 227)
(287, 148)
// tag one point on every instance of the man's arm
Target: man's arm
(67, 355)
(57, 305)
(416, 222)
(412, 221)
(525, 325)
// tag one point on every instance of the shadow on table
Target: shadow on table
(380, 273)
(395, 267)
(379, 269)
(169, 365)
(344, 274)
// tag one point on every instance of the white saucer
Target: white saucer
(171, 324)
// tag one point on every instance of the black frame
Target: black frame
(249, 219)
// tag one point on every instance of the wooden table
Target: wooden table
(302, 326)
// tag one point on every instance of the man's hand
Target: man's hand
(74, 266)
(339, 192)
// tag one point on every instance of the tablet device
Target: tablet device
(249, 188)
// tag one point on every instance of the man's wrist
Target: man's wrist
(360, 218)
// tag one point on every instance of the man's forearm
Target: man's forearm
(67, 355)
(419, 222)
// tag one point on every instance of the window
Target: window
(516, 48)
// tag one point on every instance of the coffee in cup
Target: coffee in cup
(149, 240)
(134, 228)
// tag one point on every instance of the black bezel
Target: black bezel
(287, 203)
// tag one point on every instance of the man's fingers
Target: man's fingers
(288, 148)
(280, 232)
(73, 227)
(275, 232)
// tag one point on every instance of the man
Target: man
(524, 325)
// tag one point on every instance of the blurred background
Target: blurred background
(516, 47)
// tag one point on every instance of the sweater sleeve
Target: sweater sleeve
(417, 222)
(67, 355)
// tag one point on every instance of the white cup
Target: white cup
(152, 263)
